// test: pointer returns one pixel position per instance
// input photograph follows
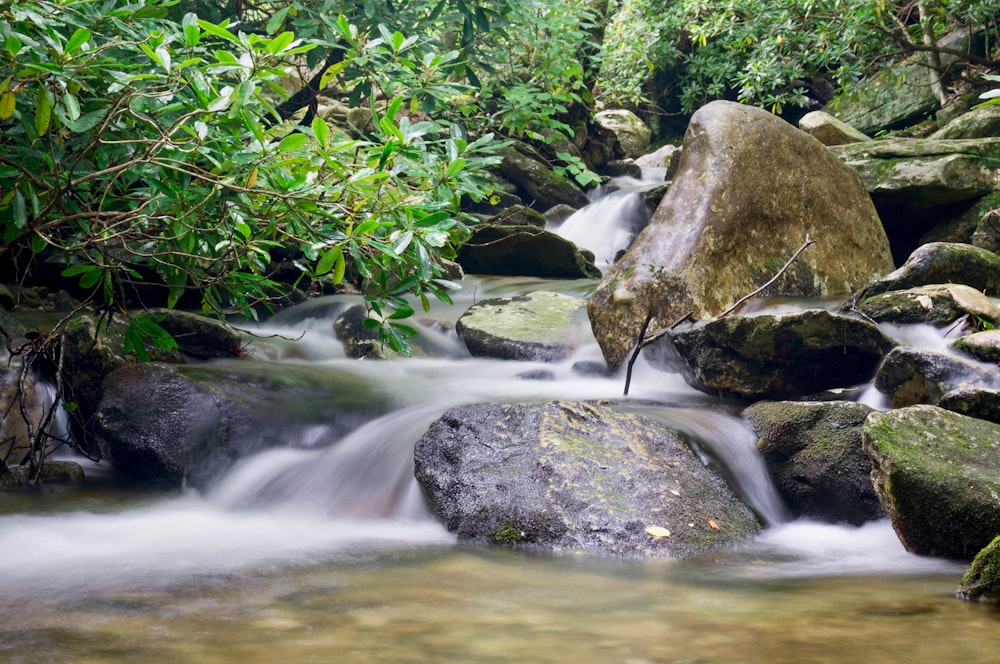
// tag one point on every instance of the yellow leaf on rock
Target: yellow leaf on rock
(657, 531)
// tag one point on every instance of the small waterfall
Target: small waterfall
(609, 223)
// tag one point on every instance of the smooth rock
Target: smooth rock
(938, 304)
(828, 130)
(537, 184)
(911, 376)
(941, 263)
(982, 122)
(979, 402)
(633, 134)
(983, 346)
(524, 251)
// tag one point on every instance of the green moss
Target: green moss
(506, 534)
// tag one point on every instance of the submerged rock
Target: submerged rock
(813, 449)
(911, 376)
(537, 326)
(569, 476)
(937, 474)
(775, 356)
(748, 191)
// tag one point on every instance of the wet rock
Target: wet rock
(537, 326)
(982, 346)
(197, 336)
(937, 474)
(942, 263)
(359, 341)
(982, 580)
(622, 168)
(567, 476)
(632, 133)
(986, 231)
(663, 157)
(166, 424)
(774, 356)
(979, 402)
(911, 376)
(537, 184)
(52, 472)
(524, 251)
(828, 130)
(916, 183)
(726, 226)
(939, 304)
(813, 450)
(519, 215)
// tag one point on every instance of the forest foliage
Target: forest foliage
(164, 152)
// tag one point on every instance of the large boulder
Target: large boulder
(917, 183)
(748, 191)
(774, 356)
(524, 251)
(537, 326)
(568, 476)
(166, 424)
(911, 376)
(813, 450)
(937, 474)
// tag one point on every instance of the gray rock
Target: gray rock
(537, 184)
(813, 450)
(775, 356)
(565, 476)
(983, 346)
(524, 251)
(728, 224)
(982, 122)
(828, 130)
(911, 376)
(939, 304)
(982, 580)
(663, 157)
(166, 424)
(519, 215)
(359, 341)
(942, 263)
(537, 326)
(632, 133)
(937, 474)
(52, 472)
(979, 402)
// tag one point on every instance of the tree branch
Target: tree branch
(740, 302)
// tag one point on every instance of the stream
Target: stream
(328, 553)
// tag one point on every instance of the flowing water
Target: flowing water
(329, 553)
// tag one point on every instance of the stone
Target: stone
(359, 341)
(662, 157)
(172, 424)
(537, 184)
(727, 225)
(982, 580)
(197, 336)
(16, 391)
(536, 326)
(937, 304)
(813, 450)
(937, 475)
(917, 183)
(633, 134)
(569, 476)
(52, 472)
(941, 263)
(519, 215)
(983, 346)
(774, 356)
(524, 251)
(979, 402)
(981, 122)
(911, 376)
(828, 130)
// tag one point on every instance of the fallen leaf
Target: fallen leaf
(657, 531)
(713, 524)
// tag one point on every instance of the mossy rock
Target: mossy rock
(982, 580)
(982, 346)
(979, 402)
(937, 474)
(524, 251)
(938, 304)
(941, 263)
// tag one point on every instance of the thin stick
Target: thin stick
(645, 342)
(748, 296)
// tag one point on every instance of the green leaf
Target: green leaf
(320, 130)
(8, 100)
(277, 20)
(219, 31)
(454, 168)
(281, 42)
(79, 38)
(292, 142)
(339, 268)
(330, 74)
(20, 211)
(13, 45)
(329, 259)
(404, 285)
(43, 111)
(72, 106)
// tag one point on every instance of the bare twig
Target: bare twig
(643, 342)
(740, 302)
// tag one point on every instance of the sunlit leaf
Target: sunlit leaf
(657, 531)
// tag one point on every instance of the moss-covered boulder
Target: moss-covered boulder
(980, 402)
(748, 191)
(982, 580)
(569, 476)
(911, 376)
(983, 346)
(941, 263)
(937, 474)
(632, 133)
(536, 182)
(537, 326)
(813, 450)
(938, 304)
(982, 122)
(774, 356)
